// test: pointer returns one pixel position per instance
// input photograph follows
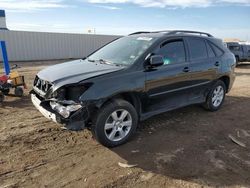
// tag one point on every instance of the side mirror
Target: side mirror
(156, 61)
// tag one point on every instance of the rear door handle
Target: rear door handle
(217, 64)
(186, 69)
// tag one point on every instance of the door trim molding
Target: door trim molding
(179, 89)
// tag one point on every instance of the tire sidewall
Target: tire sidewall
(209, 100)
(103, 115)
(237, 60)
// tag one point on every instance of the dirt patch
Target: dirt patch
(188, 147)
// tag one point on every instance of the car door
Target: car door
(166, 85)
(204, 66)
(246, 52)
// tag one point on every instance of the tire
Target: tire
(237, 60)
(115, 123)
(18, 91)
(214, 101)
(1, 97)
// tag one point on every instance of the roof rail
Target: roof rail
(139, 32)
(172, 32)
(184, 31)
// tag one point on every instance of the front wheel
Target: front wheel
(115, 123)
(216, 96)
(237, 60)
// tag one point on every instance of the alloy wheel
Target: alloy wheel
(118, 125)
(218, 96)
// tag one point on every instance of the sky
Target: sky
(222, 18)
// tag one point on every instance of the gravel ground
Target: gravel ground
(189, 147)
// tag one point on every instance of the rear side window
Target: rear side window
(217, 50)
(197, 48)
(173, 52)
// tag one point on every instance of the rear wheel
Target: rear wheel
(216, 96)
(115, 123)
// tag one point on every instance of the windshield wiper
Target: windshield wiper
(103, 61)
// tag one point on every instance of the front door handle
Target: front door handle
(217, 64)
(186, 69)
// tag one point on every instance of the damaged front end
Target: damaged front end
(62, 105)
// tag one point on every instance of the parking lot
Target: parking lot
(189, 147)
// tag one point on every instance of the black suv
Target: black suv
(134, 78)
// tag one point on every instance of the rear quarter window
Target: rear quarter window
(210, 51)
(197, 49)
(216, 49)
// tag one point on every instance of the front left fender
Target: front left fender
(104, 88)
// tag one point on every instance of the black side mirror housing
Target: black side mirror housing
(156, 61)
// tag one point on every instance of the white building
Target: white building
(34, 46)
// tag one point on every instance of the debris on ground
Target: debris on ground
(237, 141)
(123, 165)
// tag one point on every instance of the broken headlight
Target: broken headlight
(65, 111)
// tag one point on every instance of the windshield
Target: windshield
(124, 51)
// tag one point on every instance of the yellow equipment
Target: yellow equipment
(16, 79)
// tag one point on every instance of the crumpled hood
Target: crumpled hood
(75, 71)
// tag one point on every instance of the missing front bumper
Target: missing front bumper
(76, 122)
(37, 103)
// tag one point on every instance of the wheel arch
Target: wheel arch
(130, 97)
(226, 80)
(237, 58)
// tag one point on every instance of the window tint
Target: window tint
(197, 48)
(173, 52)
(217, 50)
(210, 51)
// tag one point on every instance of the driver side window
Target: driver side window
(173, 52)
